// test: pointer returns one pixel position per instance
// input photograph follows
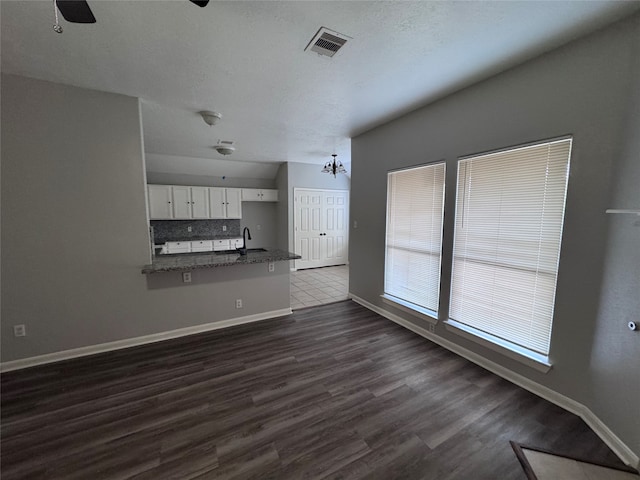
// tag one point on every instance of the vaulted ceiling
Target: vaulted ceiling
(247, 60)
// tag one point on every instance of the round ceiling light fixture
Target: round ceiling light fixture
(224, 147)
(209, 117)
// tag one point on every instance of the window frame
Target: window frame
(534, 359)
(405, 305)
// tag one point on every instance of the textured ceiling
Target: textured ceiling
(246, 60)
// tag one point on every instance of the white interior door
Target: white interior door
(320, 224)
(307, 224)
(336, 211)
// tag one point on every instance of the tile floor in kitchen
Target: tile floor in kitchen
(317, 286)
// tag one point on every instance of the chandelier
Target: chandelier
(334, 167)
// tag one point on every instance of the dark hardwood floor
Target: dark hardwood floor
(334, 391)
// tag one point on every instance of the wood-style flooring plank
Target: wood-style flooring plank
(330, 392)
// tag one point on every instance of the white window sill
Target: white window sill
(531, 359)
(411, 308)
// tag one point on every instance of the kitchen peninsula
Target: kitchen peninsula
(186, 262)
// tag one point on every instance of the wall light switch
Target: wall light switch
(189, 228)
(224, 228)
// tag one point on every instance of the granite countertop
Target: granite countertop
(193, 261)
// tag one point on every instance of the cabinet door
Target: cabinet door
(217, 202)
(199, 202)
(234, 203)
(160, 202)
(202, 246)
(181, 202)
(269, 195)
(251, 195)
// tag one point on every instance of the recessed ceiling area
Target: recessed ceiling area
(246, 60)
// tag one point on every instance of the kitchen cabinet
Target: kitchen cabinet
(225, 202)
(259, 195)
(202, 246)
(168, 202)
(160, 202)
(177, 247)
(190, 202)
(227, 244)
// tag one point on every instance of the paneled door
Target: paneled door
(321, 227)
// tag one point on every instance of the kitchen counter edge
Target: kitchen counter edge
(180, 263)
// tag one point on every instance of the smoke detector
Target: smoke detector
(224, 147)
(210, 118)
(327, 42)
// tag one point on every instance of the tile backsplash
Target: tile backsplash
(175, 230)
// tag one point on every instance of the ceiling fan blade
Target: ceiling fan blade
(76, 11)
(200, 3)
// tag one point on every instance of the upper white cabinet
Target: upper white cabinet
(178, 202)
(259, 195)
(190, 202)
(225, 202)
(160, 202)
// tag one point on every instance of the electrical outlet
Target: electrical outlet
(224, 228)
(189, 228)
(258, 227)
(432, 328)
(238, 303)
(186, 277)
(272, 266)
(19, 331)
(355, 224)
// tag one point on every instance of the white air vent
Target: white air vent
(327, 42)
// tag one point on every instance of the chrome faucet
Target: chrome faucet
(243, 249)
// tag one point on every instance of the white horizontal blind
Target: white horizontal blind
(509, 216)
(415, 199)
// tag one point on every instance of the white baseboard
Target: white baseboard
(598, 426)
(132, 342)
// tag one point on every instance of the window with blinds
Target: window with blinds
(508, 229)
(415, 200)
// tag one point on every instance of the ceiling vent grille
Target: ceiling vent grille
(327, 42)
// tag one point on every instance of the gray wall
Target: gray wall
(262, 220)
(74, 230)
(304, 175)
(282, 212)
(207, 181)
(583, 89)
(615, 355)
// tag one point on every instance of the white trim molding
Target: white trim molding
(508, 349)
(133, 342)
(598, 426)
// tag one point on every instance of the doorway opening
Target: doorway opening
(318, 286)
